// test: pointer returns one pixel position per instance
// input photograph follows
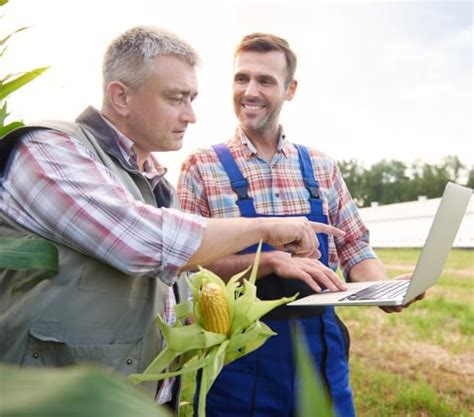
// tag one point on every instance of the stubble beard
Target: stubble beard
(260, 126)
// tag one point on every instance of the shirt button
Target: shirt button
(277, 195)
(36, 355)
(129, 361)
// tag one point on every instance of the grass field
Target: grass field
(419, 363)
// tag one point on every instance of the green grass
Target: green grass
(427, 318)
(418, 363)
(461, 259)
(391, 395)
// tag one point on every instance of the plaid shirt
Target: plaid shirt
(61, 191)
(277, 189)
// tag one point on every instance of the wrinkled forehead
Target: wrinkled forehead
(175, 74)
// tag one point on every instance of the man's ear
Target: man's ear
(291, 90)
(117, 95)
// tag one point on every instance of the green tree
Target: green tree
(385, 182)
(453, 167)
(430, 180)
(470, 178)
(392, 181)
(352, 172)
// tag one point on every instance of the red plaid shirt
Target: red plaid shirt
(59, 189)
(277, 188)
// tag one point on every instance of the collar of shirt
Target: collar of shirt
(152, 169)
(283, 145)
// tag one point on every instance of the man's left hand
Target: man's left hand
(399, 309)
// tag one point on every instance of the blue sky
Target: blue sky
(376, 80)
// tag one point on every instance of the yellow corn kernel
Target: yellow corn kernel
(214, 308)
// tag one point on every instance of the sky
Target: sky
(376, 80)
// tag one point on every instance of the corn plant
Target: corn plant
(39, 257)
(12, 82)
(226, 326)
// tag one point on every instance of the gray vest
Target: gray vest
(89, 312)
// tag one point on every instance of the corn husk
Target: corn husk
(190, 348)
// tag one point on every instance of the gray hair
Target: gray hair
(128, 58)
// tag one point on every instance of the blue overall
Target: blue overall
(262, 383)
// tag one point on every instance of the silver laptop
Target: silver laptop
(428, 269)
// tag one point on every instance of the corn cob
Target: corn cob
(214, 308)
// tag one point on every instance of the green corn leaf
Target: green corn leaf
(248, 310)
(190, 337)
(248, 342)
(38, 257)
(186, 398)
(188, 388)
(200, 363)
(231, 288)
(20, 81)
(162, 361)
(209, 374)
(313, 400)
(253, 332)
(253, 275)
(80, 391)
(5, 129)
(5, 39)
(183, 310)
(3, 113)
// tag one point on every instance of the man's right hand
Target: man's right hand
(311, 271)
(296, 234)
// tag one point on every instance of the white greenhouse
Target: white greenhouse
(407, 224)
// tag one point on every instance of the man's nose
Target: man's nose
(251, 89)
(188, 115)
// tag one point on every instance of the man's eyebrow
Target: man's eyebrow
(182, 91)
(266, 77)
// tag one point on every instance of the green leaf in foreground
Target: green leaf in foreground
(312, 397)
(76, 391)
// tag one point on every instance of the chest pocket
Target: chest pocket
(51, 344)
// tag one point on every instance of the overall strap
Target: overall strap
(309, 179)
(238, 183)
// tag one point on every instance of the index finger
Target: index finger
(326, 228)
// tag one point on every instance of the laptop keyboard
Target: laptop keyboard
(384, 290)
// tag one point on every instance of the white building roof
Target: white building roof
(407, 224)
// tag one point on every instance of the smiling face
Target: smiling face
(259, 90)
(159, 111)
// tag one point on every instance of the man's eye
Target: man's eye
(176, 100)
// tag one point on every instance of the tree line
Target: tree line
(392, 181)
